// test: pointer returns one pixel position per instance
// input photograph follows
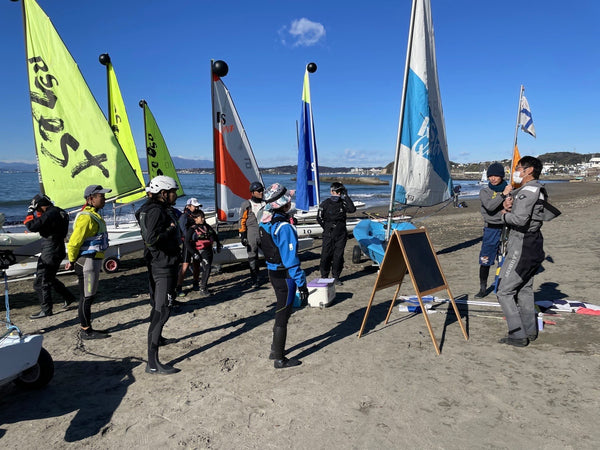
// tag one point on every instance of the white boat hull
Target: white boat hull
(18, 354)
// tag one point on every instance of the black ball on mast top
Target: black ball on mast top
(311, 67)
(220, 68)
(104, 59)
(142, 103)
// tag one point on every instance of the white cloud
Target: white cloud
(303, 32)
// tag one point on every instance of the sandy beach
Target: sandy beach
(386, 390)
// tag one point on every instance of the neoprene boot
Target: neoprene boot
(154, 365)
(254, 277)
(281, 362)
(483, 276)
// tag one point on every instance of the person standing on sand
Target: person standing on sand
(279, 243)
(85, 251)
(524, 212)
(249, 218)
(162, 238)
(199, 239)
(52, 223)
(492, 196)
(185, 221)
(332, 218)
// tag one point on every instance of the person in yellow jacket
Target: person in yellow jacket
(85, 251)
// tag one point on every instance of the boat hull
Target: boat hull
(370, 236)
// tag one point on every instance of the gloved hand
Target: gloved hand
(244, 238)
(303, 291)
(32, 207)
(196, 257)
(219, 247)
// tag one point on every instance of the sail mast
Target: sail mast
(214, 127)
(315, 162)
(401, 120)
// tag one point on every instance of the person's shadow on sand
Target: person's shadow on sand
(349, 326)
(92, 388)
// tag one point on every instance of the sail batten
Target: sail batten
(75, 146)
(235, 165)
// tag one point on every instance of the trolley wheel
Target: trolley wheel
(38, 376)
(110, 265)
(356, 254)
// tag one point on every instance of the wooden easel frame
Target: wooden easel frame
(393, 267)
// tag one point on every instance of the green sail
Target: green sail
(119, 123)
(75, 146)
(159, 159)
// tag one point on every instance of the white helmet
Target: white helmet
(161, 183)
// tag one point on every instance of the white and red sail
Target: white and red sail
(235, 165)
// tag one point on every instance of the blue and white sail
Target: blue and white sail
(422, 167)
(307, 180)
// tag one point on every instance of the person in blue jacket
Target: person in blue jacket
(279, 243)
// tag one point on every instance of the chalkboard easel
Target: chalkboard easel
(412, 250)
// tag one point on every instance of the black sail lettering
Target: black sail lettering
(50, 125)
(91, 161)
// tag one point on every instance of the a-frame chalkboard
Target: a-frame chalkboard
(412, 250)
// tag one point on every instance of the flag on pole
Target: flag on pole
(515, 160)
(525, 119)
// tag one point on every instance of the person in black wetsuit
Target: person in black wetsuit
(332, 217)
(52, 223)
(162, 239)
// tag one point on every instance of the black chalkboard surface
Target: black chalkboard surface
(421, 260)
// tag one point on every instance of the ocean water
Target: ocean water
(17, 190)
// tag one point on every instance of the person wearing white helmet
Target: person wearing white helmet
(162, 239)
(279, 243)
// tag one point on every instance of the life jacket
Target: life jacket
(202, 237)
(267, 244)
(97, 243)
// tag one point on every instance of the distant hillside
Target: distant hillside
(560, 158)
(184, 163)
(17, 167)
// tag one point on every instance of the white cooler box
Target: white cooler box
(321, 292)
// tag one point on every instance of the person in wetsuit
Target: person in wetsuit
(52, 223)
(332, 217)
(162, 239)
(279, 243)
(250, 212)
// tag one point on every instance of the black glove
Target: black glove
(196, 257)
(244, 238)
(303, 290)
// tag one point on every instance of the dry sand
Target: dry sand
(387, 389)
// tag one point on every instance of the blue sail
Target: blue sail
(307, 180)
(423, 167)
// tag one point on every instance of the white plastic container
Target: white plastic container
(321, 292)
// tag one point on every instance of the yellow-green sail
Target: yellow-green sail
(159, 159)
(119, 122)
(75, 146)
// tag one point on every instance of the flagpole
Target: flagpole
(401, 120)
(512, 162)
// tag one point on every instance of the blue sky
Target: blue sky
(161, 52)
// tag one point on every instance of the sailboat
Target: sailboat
(235, 164)
(75, 146)
(308, 195)
(421, 165)
(484, 178)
